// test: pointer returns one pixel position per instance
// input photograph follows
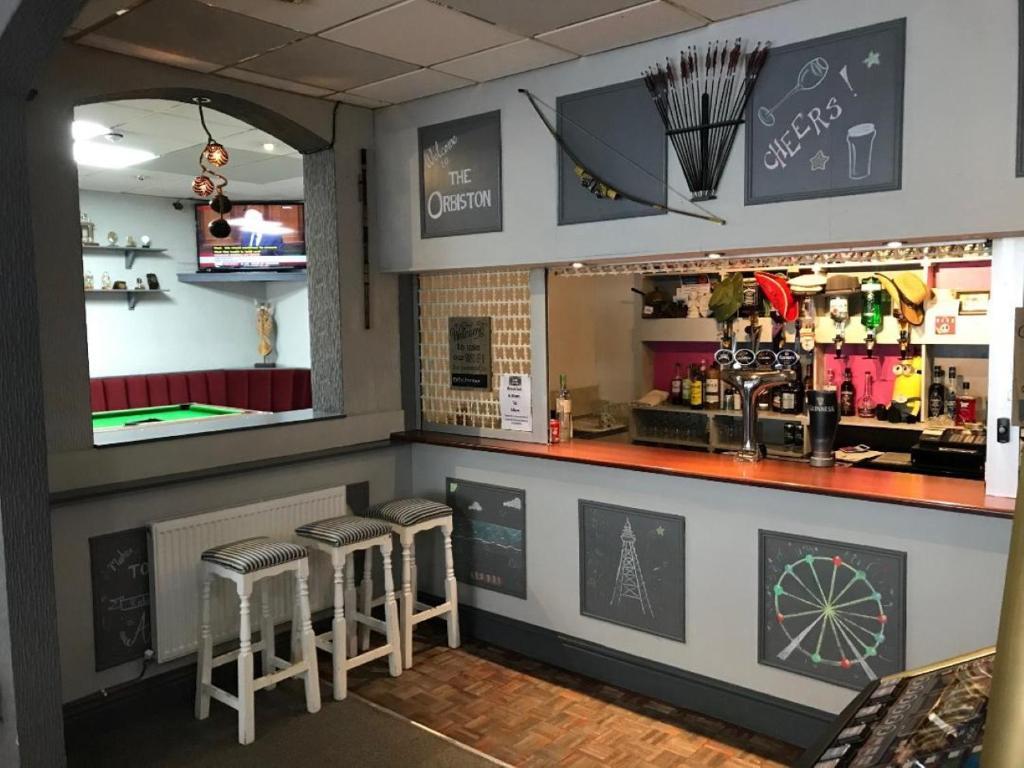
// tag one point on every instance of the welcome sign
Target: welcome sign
(460, 176)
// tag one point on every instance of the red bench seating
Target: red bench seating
(259, 389)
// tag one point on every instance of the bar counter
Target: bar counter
(943, 493)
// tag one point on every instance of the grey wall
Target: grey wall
(212, 325)
(958, 165)
(74, 523)
(955, 563)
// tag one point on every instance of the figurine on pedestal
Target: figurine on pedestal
(265, 329)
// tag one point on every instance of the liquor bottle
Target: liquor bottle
(713, 387)
(697, 387)
(966, 406)
(777, 397)
(866, 406)
(951, 393)
(808, 387)
(830, 384)
(676, 389)
(936, 394)
(847, 395)
(791, 397)
(684, 395)
(563, 404)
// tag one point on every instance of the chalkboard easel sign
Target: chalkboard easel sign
(460, 176)
(119, 564)
(826, 117)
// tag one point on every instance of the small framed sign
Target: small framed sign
(469, 352)
(460, 176)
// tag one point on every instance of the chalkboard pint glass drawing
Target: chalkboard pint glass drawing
(860, 139)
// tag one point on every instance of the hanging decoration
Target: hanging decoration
(213, 154)
(593, 181)
(701, 102)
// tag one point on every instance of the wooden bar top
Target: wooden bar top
(944, 493)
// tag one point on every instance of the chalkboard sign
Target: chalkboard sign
(826, 117)
(469, 352)
(632, 568)
(489, 537)
(1020, 86)
(460, 176)
(830, 610)
(616, 131)
(119, 563)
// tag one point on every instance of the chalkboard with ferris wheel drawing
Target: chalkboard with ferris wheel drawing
(460, 176)
(830, 610)
(489, 536)
(826, 117)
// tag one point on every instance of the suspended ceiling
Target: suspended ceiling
(378, 52)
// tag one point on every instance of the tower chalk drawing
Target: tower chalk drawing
(629, 579)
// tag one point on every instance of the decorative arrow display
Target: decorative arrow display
(597, 184)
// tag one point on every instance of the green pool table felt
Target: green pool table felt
(159, 414)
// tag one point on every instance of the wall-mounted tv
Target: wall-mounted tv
(264, 236)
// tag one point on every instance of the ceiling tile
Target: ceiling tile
(273, 82)
(96, 11)
(530, 17)
(308, 16)
(96, 40)
(633, 25)
(109, 113)
(724, 9)
(414, 85)
(192, 30)
(358, 101)
(519, 56)
(319, 62)
(266, 170)
(252, 142)
(421, 32)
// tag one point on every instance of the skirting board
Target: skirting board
(784, 720)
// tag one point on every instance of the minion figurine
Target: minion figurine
(906, 389)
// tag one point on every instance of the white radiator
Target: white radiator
(175, 548)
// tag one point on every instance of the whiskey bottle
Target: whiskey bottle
(713, 387)
(563, 404)
(676, 389)
(697, 387)
(847, 395)
(951, 394)
(936, 394)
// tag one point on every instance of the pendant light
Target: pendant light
(213, 154)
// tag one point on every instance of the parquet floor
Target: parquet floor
(529, 714)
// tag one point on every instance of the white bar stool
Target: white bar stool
(341, 538)
(247, 562)
(407, 517)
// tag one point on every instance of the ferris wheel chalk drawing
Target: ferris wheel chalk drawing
(831, 610)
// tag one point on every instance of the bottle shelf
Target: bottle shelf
(130, 293)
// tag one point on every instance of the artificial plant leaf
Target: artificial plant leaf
(727, 297)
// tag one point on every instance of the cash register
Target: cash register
(951, 451)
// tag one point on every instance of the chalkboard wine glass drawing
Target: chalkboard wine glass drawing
(811, 75)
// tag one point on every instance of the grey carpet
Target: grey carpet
(161, 732)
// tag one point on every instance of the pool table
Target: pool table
(161, 414)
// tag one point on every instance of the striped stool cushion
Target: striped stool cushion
(254, 554)
(408, 511)
(342, 531)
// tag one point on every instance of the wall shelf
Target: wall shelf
(242, 277)
(129, 253)
(131, 293)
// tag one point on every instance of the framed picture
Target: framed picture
(973, 302)
(489, 536)
(632, 568)
(830, 610)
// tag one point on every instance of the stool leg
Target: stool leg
(296, 634)
(266, 633)
(308, 640)
(204, 661)
(451, 590)
(407, 601)
(367, 597)
(246, 709)
(390, 613)
(352, 626)
(414, 574)
(338, 634)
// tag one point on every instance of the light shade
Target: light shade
(99, 155)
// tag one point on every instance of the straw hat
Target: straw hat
(807, 285)
(910, 292)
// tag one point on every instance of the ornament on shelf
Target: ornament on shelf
(129, 242)
(139, 285)
(265, 329)
(112, 237)
(105, 281)
(145, 241)
(89, 283)
(152, 281)
(88, 231)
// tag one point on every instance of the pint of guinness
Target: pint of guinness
(823, 410)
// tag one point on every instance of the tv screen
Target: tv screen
(264, 236)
